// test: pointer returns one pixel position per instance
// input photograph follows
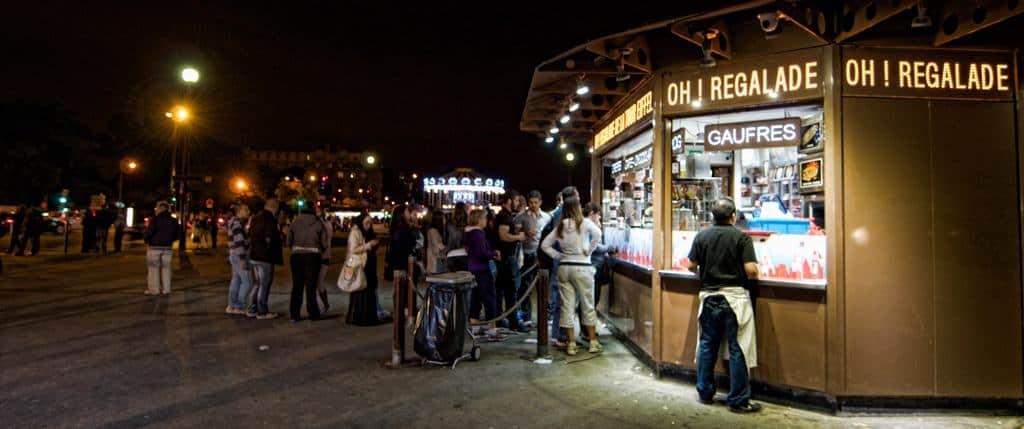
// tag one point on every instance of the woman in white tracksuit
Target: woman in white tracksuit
(577, 237)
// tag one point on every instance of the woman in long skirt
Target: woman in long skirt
(362, 305)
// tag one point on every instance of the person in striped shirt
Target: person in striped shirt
(238, 251)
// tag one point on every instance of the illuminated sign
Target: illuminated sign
(742, 135)
(633, 114)
(678, 139)
(926, 73)
(463, 197)
(463, 185)
(784, 77)
(617, 167)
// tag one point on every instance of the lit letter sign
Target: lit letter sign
(779, 78)
(925, 73)
(634, 113)
(771, 133)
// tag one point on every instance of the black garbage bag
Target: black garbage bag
(441, 325)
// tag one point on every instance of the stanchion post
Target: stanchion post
(398, 326)
(543, 289)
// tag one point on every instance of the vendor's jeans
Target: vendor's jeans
(241, 281)
(716, 320)
(158, 260)
(263, 273)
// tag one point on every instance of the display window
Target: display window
(628, 200)
(770, 163)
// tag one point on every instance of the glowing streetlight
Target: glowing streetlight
(241, 185)
(132, 165)
(178, 114)
(570, 157)
(190, 75)
(312, 178)
(371, 160)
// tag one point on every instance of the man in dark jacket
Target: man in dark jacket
(33, 229)
(265, 252)
(160, 235)
(16, 229)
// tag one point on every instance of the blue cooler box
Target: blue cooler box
(781, 226)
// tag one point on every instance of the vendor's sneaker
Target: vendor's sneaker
(267, 316)
(570, 349)
(595, 347)
(747, 408)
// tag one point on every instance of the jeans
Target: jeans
(525, 311)
(305, 274)
(158, 260)
(263, 273)
(716, 320)
(576, 284)
(483, 295)
(241, 281)
(507, 285)
(25, 239)
(555, 305)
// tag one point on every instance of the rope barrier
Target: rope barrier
(518, 303)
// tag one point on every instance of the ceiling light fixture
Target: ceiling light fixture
(553, 130)
(922, 19)
(574, 106)
(564, 119)
(549, 139)
(771, 24)
(582, 89)
(708, 36)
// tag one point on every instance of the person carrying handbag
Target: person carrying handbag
(359, 274)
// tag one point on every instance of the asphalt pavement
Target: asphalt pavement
(81, 346)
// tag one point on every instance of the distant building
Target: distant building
(463, 185)
(344, 179)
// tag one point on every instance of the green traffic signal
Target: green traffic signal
(301, 203)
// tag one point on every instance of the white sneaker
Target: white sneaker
(595, 347)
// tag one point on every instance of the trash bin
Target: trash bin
(441, 324)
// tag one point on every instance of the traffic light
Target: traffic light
(301, 202)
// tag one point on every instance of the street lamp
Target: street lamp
(241, 185)
(371, 159)
(190, 75)
(128, 166)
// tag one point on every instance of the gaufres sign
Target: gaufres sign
(743, 135)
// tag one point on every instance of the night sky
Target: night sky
(429, 87)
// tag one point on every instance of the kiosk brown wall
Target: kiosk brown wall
(923, 301)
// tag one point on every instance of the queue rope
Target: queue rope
(519, 302)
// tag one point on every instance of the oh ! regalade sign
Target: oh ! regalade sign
(634, 113)
(785, 77)
(745, 135)
(928, 73)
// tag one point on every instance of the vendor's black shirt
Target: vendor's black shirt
(721, 251)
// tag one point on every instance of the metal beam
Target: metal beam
(861, 15)
(959, 19)
(638, 57)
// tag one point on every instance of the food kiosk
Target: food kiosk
(890, 264)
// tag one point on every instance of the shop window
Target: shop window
(770, 163)
(627, 200)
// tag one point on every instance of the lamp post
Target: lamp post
(128, 166)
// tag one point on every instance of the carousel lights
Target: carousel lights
(564, 119)
(574, 106)
(553, 130)
(549, 139)
(582, 89)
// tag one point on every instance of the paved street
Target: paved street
(81, 346)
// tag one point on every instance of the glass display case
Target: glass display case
(628, 201)
(776, 185)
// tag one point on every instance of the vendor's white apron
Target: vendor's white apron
(739, 300)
